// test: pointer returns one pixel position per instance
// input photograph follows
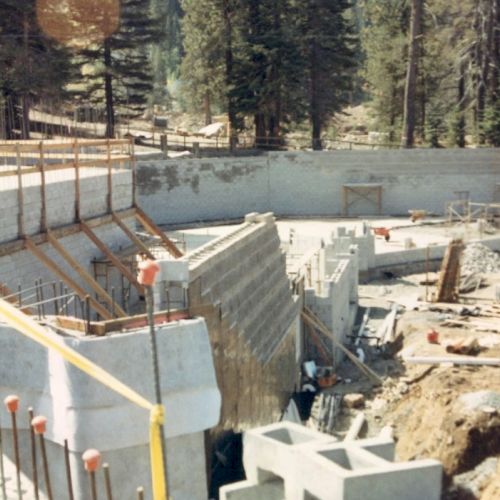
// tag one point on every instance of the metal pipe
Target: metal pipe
(107, 482)
(156, 371)
(34, 467)
(69, 480)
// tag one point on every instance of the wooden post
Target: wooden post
(20, 197)
(43, 201)
(77, 180)
(135, 240)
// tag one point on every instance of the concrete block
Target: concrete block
(303, 463)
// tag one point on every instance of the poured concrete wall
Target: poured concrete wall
(60, 198)
(89, 415)
(310, 183)
(240, 283)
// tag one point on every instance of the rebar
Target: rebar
(140, 493)
(16, 454)
(93, 487)
(2, 471)
(67, 463)
(34, 467)
(45, 467)
(107, 482)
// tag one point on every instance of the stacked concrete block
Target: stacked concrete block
(60, 199)
(245, 272)
(305, 464)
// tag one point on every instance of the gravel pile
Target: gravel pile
(479, 259)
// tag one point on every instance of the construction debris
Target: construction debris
(353, 400)
(449, 277)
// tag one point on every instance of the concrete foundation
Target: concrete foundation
(89, 415)
(295, 463)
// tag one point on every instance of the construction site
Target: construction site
(292, 325)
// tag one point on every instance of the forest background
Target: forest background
(425, 72)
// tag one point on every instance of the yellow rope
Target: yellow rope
(30, 328)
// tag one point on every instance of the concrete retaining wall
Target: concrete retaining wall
(89, 415)
(239, 281)
(301, 183)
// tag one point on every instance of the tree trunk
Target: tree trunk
(108, 91)
(208, 108)
(260, 130)
(231, 113)
(460, 137)
(25, 99)
(408, 139)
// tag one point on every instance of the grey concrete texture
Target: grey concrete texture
(307, 464)
(22, 268)
(60, 199)
(245, 272)
(89, 415)
(310, 183)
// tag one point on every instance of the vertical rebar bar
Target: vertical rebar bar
(65, 301)
(67, 463)
(56, 300)
(41, 298)
(87, 314)
(38, 308)
(2, 471)
(19, 295)
(140, 493)
(45, 466)
(34, 467)
(93, 487)
(16, 454)
(107, 482)
(156, 370)
(113, 301)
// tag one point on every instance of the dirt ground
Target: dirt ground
(443, 411)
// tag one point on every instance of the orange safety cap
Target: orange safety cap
(148, 269)
(432, 337)
(12, 403)
(92, 459)
(39, 424)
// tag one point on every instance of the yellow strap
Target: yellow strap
(157, 470)
(27, 326)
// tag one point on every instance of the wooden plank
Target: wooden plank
(112, 257)
(137, 242)
(316, 340)
(154, 230)
(84, 274)
(53, 267)
(33, 147)
(312, 319)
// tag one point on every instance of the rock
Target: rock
(354, 400)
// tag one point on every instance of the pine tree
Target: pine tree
(33, 66)
(328, 45)
(122, 76)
